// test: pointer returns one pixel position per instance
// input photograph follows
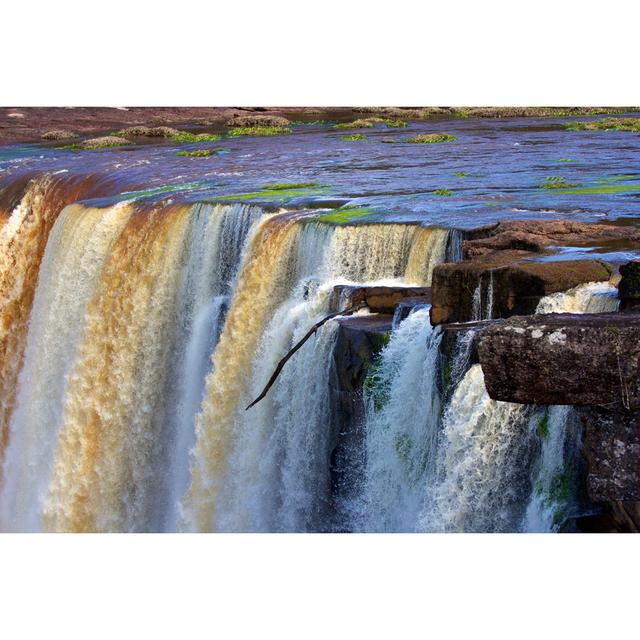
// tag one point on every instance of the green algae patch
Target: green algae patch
(606, 124)
(275, 193)
(431, 138)
(461, 174)
(556, 182)
(603, 189)
(259, 132)
(565, 160)
(353, 136)
(184, 137)
(145, 193)
(345, 215)
(286, 186)
(442, 192)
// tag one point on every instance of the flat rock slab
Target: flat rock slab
(576, 359)
(378, 299)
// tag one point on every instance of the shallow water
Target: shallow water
(503, 162)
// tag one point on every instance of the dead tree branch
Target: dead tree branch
(298, 345)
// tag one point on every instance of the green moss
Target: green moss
(461, 114)
(286, 186)
(461, 174)
(556, 182)
(186, 137)
(431, 138)
(269, 193)
(375, 391)
(344, 215)
(353, 136)
(258, 131)
(442, 192)
(543, 427)
(128, 195)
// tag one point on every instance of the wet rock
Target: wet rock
(629, 286)
(258, 121)
(537, 236)
(504, 290)
(59, 134)
(379, 299)
(577, 359)
(611, 444)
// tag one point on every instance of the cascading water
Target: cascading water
(483, 465)
(124, 320)
(267, 468)
(402, 406)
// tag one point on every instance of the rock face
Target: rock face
(378, 299)
(504, 290)
(585, 359)
(611, 445)
(629, 287)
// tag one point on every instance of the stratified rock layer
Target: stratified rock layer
(379, 299)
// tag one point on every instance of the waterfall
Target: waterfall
(75, 254)
(402, 407)
(248, 471)
(487, 477)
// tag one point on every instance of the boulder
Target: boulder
(379, 299)
(577, 359)
(502, 290)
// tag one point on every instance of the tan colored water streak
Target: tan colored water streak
(263, 284)
(427, 250)
(113, 422)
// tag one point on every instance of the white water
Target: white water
(277, 475)
(402, 407)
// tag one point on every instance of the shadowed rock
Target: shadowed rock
(577, 359)
(504, 290)
(629, 287)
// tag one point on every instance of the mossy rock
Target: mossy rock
(258, 131)
(258, 121)
(606, 124)
(103, 142)
(353, 136)
(59, 134)
(368, 123)
(148, 132)
(431, 138)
